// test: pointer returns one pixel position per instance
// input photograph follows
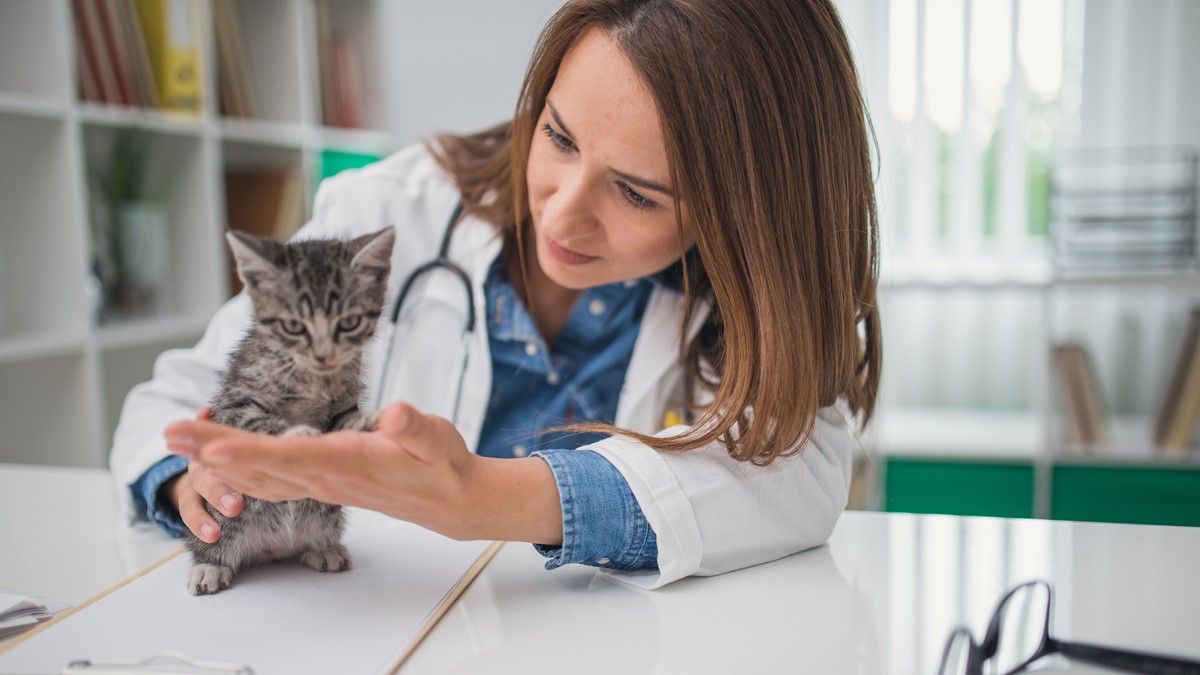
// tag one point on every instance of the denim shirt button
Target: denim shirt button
(531, 348)
(519, 450)
(603, 561)
(596, 307)
(552, 378)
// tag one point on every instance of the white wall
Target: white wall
(1140, 84)
(455, 65)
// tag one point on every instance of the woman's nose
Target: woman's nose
(570, 213)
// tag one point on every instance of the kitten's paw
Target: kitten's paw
(206, 579)
(366, 422)
(336, 559)
(301, 430)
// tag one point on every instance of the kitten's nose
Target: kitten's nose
(324, 360)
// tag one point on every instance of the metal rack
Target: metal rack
(1123, 209)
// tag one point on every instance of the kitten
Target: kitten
(297, 372)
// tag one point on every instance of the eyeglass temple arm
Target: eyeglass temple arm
(1124, 659)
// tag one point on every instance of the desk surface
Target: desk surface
(880, 598)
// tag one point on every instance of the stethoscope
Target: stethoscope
(443, 262)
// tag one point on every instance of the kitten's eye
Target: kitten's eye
(292, 327)
(349, 323)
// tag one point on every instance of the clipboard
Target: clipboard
(405, 579)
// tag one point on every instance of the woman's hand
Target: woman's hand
(197, 485)
(414, 467)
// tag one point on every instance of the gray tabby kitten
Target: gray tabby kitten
(298, 372)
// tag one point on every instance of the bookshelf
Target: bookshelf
(1017, 463)
(64, 369)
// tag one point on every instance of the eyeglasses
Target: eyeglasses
(1019, 634)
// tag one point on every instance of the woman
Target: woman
(698, 170)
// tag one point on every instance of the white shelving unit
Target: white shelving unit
(1035, 437)
(62, 374)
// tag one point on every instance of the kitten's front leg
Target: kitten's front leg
(206, 578)
(356, 420)
(301, 430)
(336, 559)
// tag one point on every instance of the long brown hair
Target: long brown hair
(768, 143)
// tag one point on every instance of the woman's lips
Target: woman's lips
(566, 255)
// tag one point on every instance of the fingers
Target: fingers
(191, 510)
(222, 497)
(424, 436)
(269, 488)
(184, 438)
(204, 414)
(394, 418)
(269, 467)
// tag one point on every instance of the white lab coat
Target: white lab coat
(711, 514)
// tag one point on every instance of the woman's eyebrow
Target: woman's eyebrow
(632, 180)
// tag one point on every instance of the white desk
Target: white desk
(880, 598)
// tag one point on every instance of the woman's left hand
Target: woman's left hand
(413, 467)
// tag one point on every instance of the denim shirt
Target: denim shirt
(535, 388)
(578, 379)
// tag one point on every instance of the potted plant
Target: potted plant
(131, 234)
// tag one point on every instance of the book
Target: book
(347, 82)
(89, 88)
(87, 17)
(233, 66)
(325, 66)
(1179, 410)
(1094, 435)
(169, 30)
(263, 202)
(292, 207)
(139, 57)
(1079, 392)
(118, 43)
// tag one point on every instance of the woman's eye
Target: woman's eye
(559, 141)
(634, 197)
(349, 323)
(292, 327)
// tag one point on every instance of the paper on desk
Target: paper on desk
(279, 618)
(19, 611)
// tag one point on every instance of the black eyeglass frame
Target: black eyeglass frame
(1118, 659)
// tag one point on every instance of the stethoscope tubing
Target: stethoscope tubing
(442, 261)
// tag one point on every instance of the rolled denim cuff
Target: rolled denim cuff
(146, 499)
(603, 525)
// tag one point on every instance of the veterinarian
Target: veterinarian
(672, 244)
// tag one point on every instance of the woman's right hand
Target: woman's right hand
(196, 486)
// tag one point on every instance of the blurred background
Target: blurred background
(1036, 180)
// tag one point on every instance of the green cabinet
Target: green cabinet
(1123, 494)
(913, 485)
(1116, 493)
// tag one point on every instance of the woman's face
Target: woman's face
(599, 185)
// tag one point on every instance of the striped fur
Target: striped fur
(298, 371)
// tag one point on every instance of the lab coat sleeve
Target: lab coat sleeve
(713, 514)
(184, 380)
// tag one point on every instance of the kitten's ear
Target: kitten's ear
(257, 258)
(374, 251)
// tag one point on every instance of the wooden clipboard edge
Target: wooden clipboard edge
(447, 602)
(87, 603)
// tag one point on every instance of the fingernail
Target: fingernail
(216, 455)
(209, 531)
(228, 501)
(181, 444)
